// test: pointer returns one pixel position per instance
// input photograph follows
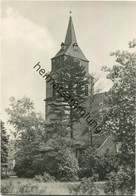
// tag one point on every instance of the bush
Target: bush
(86, 187)
(61, 163)
(121, 182)
(105, 164)
(29, 168)
(44, 178)
(92, 164)
(48, 178)
(67, 166)
(87, 163)
(38, 178)
(5, 189)
(24, 168)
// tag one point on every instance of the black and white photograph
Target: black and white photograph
(68, 87)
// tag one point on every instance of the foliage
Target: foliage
(68, 168)
(48, 178)
(29, 132)
(44, 178)
(38, 178)
(61, 162)
(87, 163)
(120, 182)
(86, 187)
(91, 164)
(120, 99)
(118, 117)
(132, 43)
(24, 168)
(31, 167)
(4, 143)
(30, 127)
(105, 164)
(5, 189)
(71, 77)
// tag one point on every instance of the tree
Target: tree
(30, 129)
(87, 162)
(32, 134)
(61, 162)
(118, 117)
(72, 78)
(4, 143)
(104, 164)
(120, 182)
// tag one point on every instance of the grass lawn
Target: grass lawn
(30, 186)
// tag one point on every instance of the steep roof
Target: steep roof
(95, 105)
(70, 35)
(70, 44)
(109, 145)
(82, 136)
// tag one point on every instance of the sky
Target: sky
(32, 32)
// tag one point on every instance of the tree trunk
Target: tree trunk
(71, 124)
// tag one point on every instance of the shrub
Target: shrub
(38, 178)
(44, 178)
(24, 168)
(106, 164)
(86, 187)
(92, 163)
(121, 182)
(5, 189)
(30, 167)
(87, 163)
(68, 166)
(48, 178)
(61, 163)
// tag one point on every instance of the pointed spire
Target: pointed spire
(70, 46)
(70, 36)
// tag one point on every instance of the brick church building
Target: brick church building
(71, 48)
(102, 141)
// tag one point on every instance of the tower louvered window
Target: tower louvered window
(86, 90)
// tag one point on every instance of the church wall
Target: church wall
(69, 48)
(85, 64)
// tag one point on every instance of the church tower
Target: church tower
(71, 48)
